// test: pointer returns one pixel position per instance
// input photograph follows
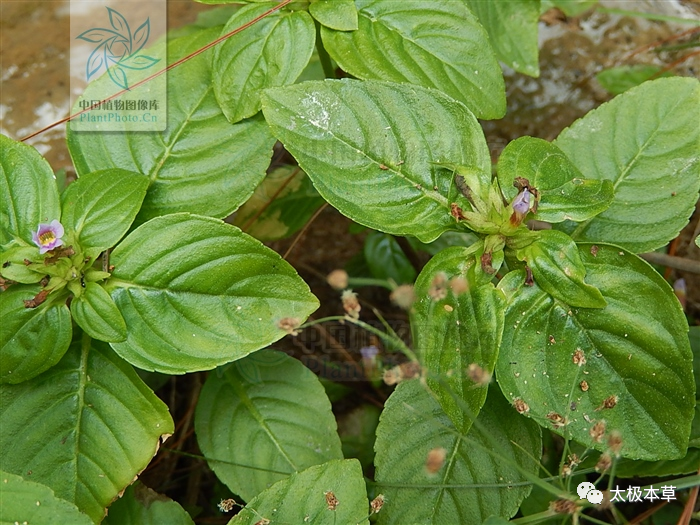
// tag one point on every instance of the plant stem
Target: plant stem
(368, 281)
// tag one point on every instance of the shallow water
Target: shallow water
(34, 68)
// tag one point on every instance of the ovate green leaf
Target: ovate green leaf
(201, 163)
(558, 269)
(84, 428)
(272, 52)
(140, 505)
(564, 192)
(95, 312)
(476, 478)
(278, 404)
(101, 206)
(628, 364)
(386, 259)
(647, 142)
(28, 194)
(196, 293)
(432, 43)
(457, 322)
(335, 14)
(619, 79)
(371, 147)
(33, 339)
(24, 501)
(512, 27)
(303, 497)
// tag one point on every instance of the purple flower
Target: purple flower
(521, 203)
(369, 352)
(48, 236)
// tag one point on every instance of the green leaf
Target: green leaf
(201, 163)
(33, 339)
(281, 205)
(24, 501)
(28, 194)
(633, 355)
(14, 268)
(457, 322)
(619, 79)
(512, 27)
(433, 43)
(95, 312)
(370, 148)
(694, 338)
(274, 401)
(101, 206)
(197, 293)
(564, 192)
(142, 506)
(301, 498)
(85, 428)
(559, 270)
(386, 259)
(413, 424)
(646, 142)
(340, 15)
(272, 52)
(357, 431)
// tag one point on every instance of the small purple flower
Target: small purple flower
(48, 236)
(369, 352)
(521, 203)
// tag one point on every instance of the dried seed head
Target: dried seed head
(377, 503)
(438, 288)
(557, 420)
(566, 470)
(564, 506)
(338, 279)
(615, 442)
(331, 500)
(579, 357)
(584, 385)
(574, 460)
(520, 405)
(604, 463)
(403, 296)
(459, 285)
(402, 372)
(597, 431)
(289, 325)
(477, 374)
(226, 505)
(350, 304)
(435, 460)
(608, 402)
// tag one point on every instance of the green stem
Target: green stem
(368, 281)
(390, 341)
(649, 16)
(323, 55)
